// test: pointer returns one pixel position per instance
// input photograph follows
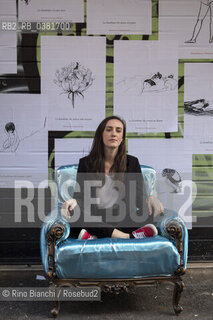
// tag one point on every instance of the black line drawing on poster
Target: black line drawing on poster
(198, 107)
(155, 83)
(74, 79)
(206, 7)
(26, 1)
(173, 178)
(12, 141)
(158, 83)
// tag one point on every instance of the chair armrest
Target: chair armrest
(54, 230)
(172, 227)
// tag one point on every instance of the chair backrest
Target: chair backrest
(66, 179)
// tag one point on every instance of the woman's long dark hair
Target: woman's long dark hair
(95, 162)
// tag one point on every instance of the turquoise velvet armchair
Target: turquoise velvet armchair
(113, 264)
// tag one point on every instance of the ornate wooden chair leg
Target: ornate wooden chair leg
(55, 310)
(178, 288)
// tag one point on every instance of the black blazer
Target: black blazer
(132, 164)
(131, 212)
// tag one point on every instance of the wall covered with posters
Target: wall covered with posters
(65, 65)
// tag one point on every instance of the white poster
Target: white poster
(119, 17)
(73, 75)
(7, 67)
(51, 10)
(198, 107)
(23, 139)
(70, 150)
(7, 8)
(146, 85)
(7, 53)
(8, 40)
(191, 23)
(173, 164)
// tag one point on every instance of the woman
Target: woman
(108, 156)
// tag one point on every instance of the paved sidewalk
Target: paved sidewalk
(147, 303)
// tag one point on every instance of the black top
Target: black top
(129, 211)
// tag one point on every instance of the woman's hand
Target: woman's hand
(155, 206)
(67, 207)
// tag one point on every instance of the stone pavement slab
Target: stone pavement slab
(146, 303)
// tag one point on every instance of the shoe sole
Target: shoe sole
(153, 227)
(81, 234)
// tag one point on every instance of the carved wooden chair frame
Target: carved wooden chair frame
(117, 285)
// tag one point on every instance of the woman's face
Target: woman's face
(113, 134)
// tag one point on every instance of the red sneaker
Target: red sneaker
(149, 230)
(85, 235)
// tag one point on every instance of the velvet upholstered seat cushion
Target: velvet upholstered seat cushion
(116, 258)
